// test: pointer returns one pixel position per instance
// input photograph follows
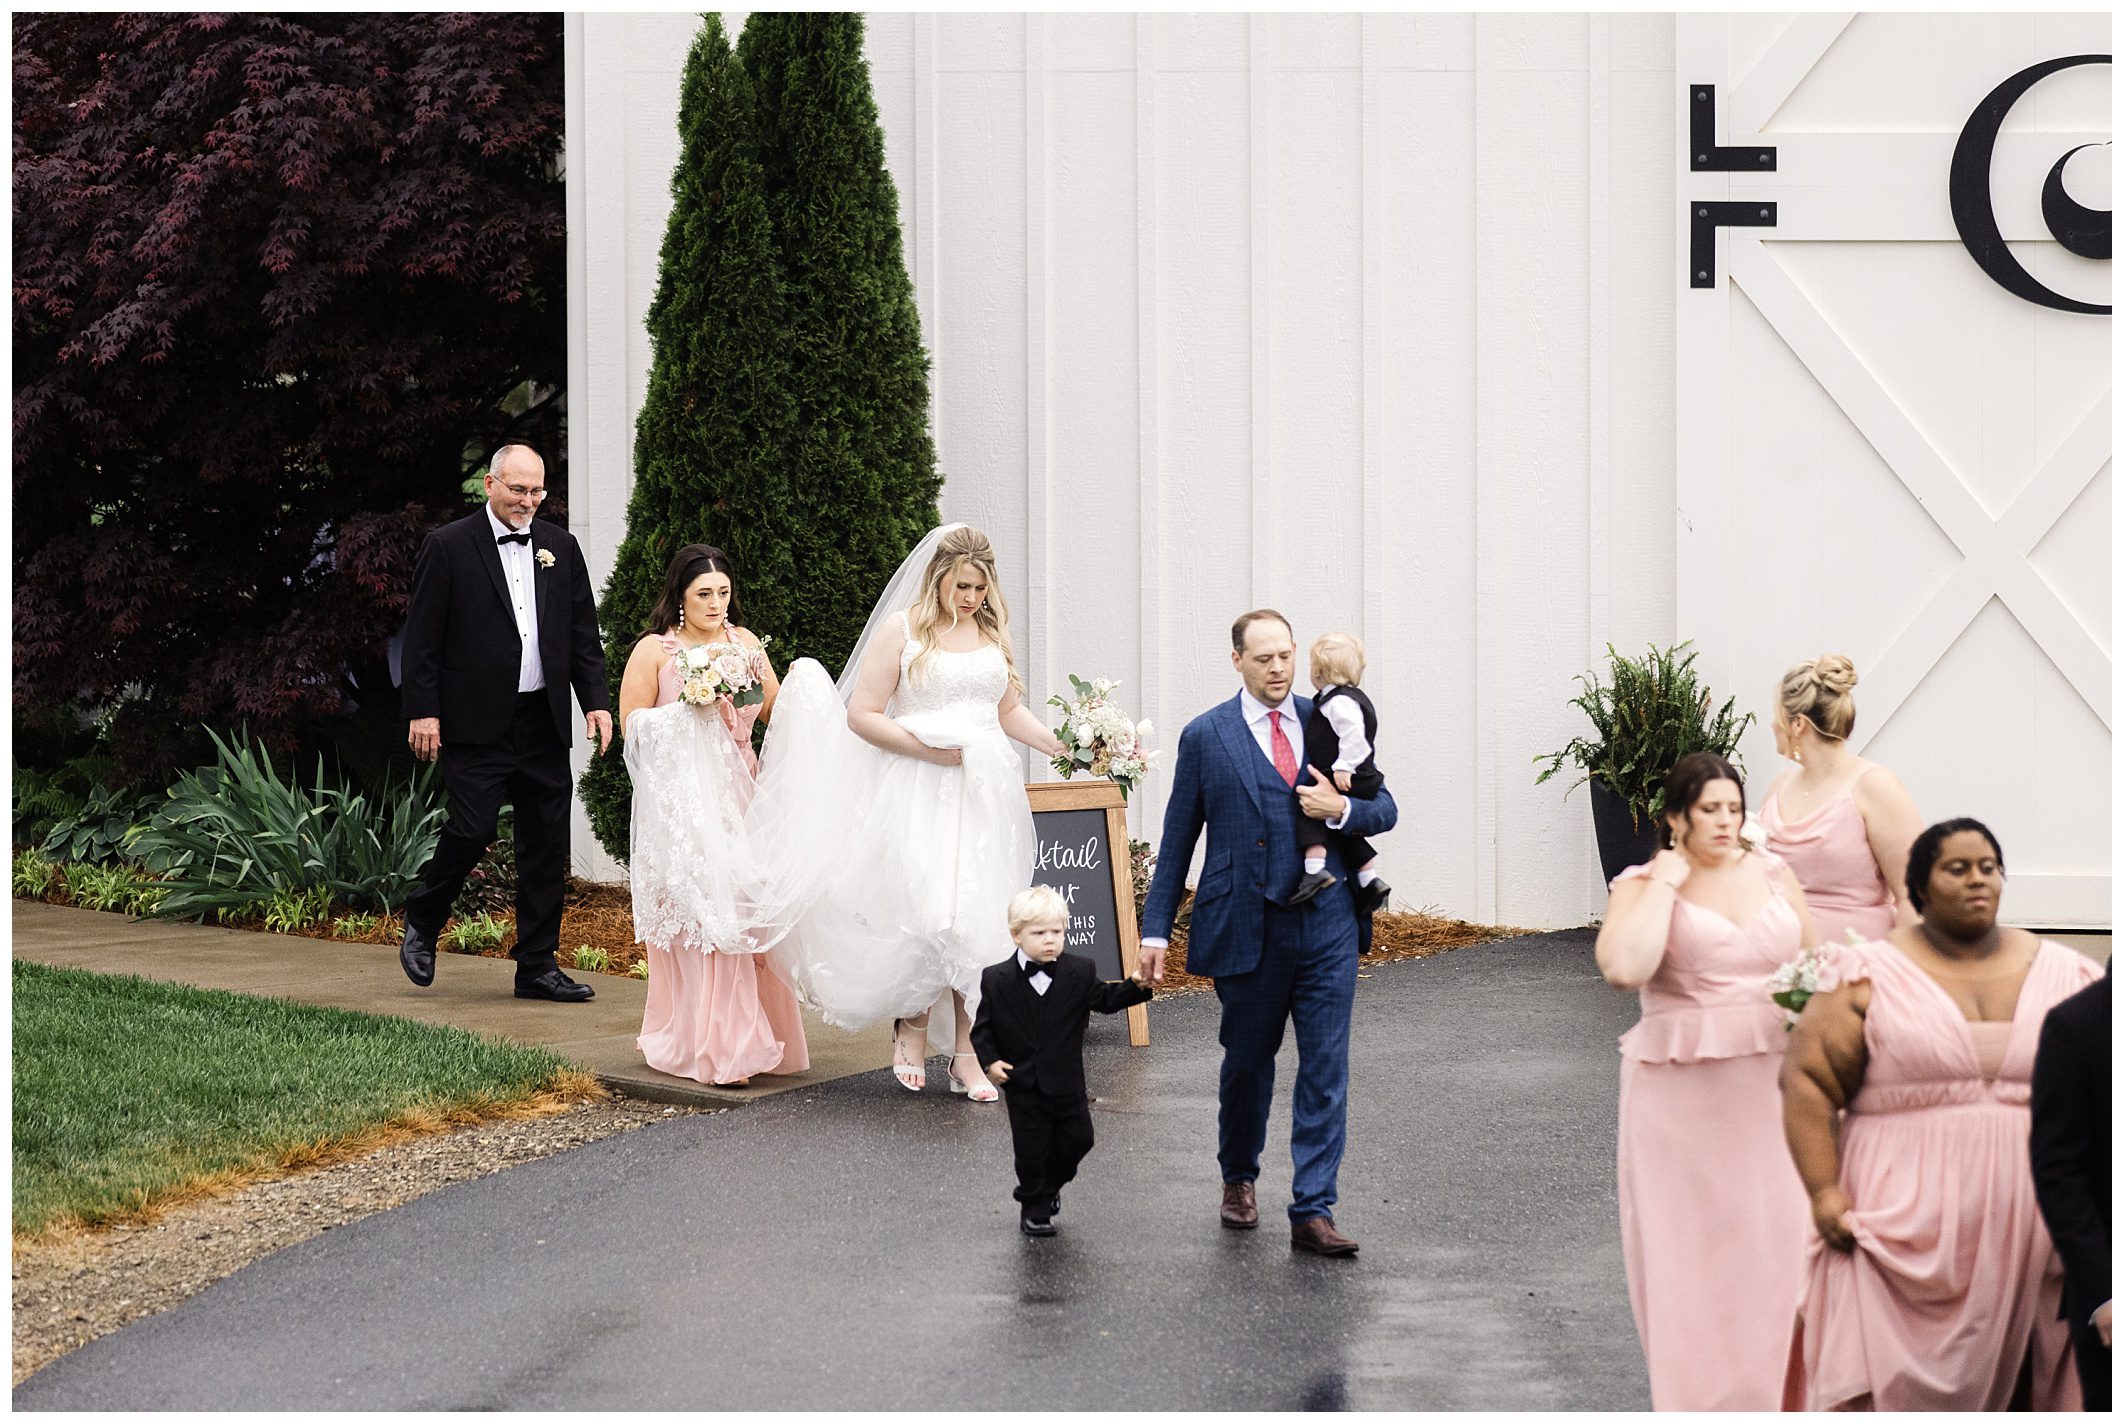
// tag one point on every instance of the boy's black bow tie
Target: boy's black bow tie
(523, 538)
(1029, 967)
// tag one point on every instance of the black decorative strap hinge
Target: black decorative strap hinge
(1705, 154)
(1705, 219)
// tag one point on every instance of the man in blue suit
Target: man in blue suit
(1237, 773)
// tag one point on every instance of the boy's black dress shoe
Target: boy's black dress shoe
(1314, 882)
(1033, 1225)
(554, 985)
(416, 955)
(1372, 898)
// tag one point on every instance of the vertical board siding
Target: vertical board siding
(1365, 317)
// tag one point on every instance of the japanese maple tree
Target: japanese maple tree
(280, 282)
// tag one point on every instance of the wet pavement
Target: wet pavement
(849, 1246)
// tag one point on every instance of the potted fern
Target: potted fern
(1647, 714)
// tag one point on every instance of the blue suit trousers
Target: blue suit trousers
(1308, 975)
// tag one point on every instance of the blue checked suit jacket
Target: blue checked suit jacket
(1222, 783)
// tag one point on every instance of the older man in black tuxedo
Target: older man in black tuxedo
(501, 625)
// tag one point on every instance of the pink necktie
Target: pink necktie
(1280, 749)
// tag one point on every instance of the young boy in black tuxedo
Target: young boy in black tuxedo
(1029, 1033)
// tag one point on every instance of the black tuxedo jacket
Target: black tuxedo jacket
(2068, 1143)
(1042, 1035)
(461, 650)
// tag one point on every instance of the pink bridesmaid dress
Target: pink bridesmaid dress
(1953, 1283)
(716, 1018)
(1714, 1220)
(1833, 861)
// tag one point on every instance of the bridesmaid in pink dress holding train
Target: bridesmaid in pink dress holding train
(1714, 1222)
(1933, 1284)
(1842, 823)
(716, 1011)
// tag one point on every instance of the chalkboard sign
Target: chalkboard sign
(1082, 832)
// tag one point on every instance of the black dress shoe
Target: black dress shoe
(554, 985)
(1372, 898)
(1034, 1225)
(1314, 882)
(1054, 1204)
(416, 955)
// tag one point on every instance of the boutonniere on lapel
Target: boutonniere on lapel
(545, 558)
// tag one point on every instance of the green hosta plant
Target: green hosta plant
(473, 936)
(1647, 714)
(592, 958)
(639, 969)
(97, 830)
(35, 876)
(355, 926)
(233, 835)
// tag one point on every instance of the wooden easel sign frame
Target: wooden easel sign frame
(1085, 857)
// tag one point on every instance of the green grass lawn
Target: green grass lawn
(129, 1092)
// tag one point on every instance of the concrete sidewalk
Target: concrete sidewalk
(469, 992)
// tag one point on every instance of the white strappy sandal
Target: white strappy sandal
(911, 1075)
(981, 1092)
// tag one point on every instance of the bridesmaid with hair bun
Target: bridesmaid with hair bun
(1714, 1221)
(1842, 823)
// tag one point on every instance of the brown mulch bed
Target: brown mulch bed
(600, 916)
(1416, 935)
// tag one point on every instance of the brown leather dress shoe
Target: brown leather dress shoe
(1318, 1235)
(1238, 1210)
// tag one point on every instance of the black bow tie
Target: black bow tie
(523, 538)
(1032, 966)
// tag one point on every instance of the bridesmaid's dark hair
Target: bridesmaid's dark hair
(688, 564)
(1925, 853)
(1687, 782)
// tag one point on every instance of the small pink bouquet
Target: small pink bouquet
(1799, 979)
(713, 670)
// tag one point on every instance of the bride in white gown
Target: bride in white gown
(897, 809)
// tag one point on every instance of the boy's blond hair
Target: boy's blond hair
(1040, 905)
(1338, 660)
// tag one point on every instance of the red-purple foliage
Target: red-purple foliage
(274, 276)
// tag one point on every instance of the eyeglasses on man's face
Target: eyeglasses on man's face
(520, 491)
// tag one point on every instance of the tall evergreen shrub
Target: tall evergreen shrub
(712, 442)
(787, 419)
(864, 474)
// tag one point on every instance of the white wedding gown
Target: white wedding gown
(903, 868)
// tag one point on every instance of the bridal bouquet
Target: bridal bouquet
(1799, 978)
(1097, 736)
(714, 670)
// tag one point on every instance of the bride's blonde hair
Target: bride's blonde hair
(927, 619)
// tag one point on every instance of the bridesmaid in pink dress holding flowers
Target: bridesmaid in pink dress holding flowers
(1714, 1222)
(1842, 823)
(716, 1011)
(1933, 1283)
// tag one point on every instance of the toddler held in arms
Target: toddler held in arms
(1029, 1033)
(1341, 735)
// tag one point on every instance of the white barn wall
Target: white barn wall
(1369, 318)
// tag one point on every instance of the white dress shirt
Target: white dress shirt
(520, 573)
(1039, 980)
(1347, 718)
